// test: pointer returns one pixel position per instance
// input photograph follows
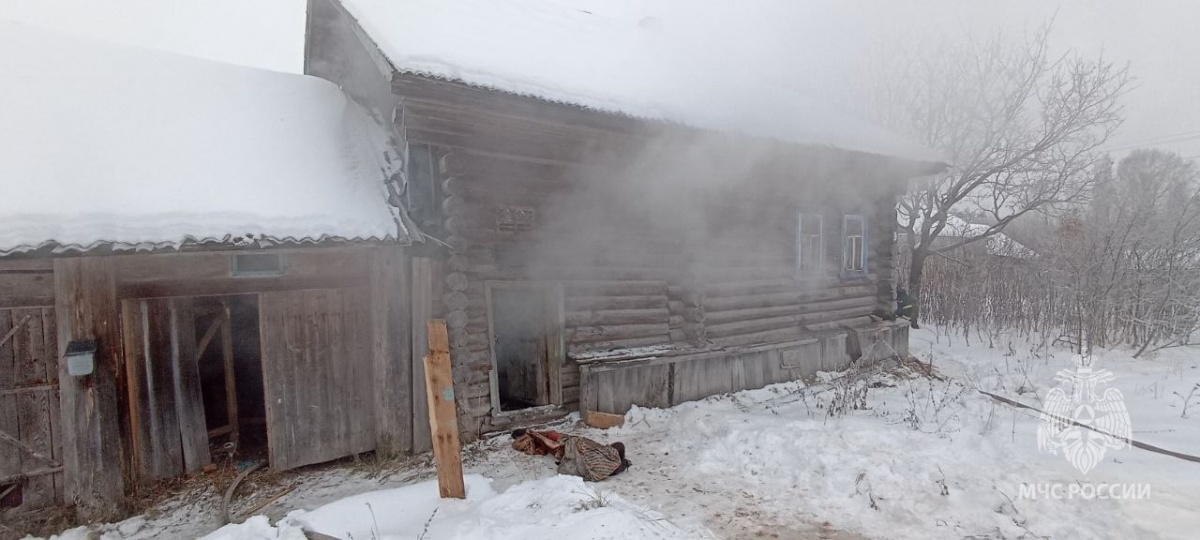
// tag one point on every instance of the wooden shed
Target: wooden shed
(596, 248)
(202, 270)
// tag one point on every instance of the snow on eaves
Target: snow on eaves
(998, 244)
(112, 145)
(607, 57)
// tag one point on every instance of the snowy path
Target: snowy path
(899, 457)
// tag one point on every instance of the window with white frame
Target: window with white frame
(810, 247)
(854, 244)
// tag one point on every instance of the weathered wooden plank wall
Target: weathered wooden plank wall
(208, 274)
(392, 340)
(26, 283)
(29, 406)
(317, 360)
(425, 288)
(613, 294)
(154, 420)
(671, 380)
(86, 308)
(166, 407)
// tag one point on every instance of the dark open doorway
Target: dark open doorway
(230, 365)
(525, 332)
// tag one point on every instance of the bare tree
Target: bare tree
(1018, 127)
(1123, 270)
(1132, 261)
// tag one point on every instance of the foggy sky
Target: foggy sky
(818, 46)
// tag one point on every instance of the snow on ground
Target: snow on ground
(113, 143)
(868, 454)
(619, 56)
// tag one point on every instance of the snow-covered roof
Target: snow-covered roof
(106, 144)
(607, 55)
(998, 244)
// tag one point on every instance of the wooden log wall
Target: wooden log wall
(752, 293)
(629, 292)
(624, 285)
(612, 294)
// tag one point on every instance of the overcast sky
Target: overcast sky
(812, 44)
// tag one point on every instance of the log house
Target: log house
(590, 260)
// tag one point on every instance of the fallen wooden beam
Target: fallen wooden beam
(602, 420)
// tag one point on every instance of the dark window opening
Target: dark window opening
(423, 193)
(257, 264)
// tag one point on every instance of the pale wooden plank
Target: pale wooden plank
(392, 343)
(225, 320)
(556, 343)
(166, 447)
(137, 396)
(10, 461)
(600, 420)
(443, 415)
(274, 337)
(362, 411)
(189, 398)
(336, 366)
(33, 410)
(27, 285)
(422, 310)
(86, 307)
(50, 338)
(314, 408)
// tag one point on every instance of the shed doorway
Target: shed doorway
(230, 362)
(526, 340)
(194, 375)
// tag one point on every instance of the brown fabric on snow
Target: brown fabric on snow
(587, 458)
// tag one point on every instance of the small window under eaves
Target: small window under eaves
(257, 264)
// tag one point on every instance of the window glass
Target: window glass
(257, 264)
(854, 255)
(809, 245)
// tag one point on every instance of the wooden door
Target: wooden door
(317, 381)
(30, 447)
(166, 410)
